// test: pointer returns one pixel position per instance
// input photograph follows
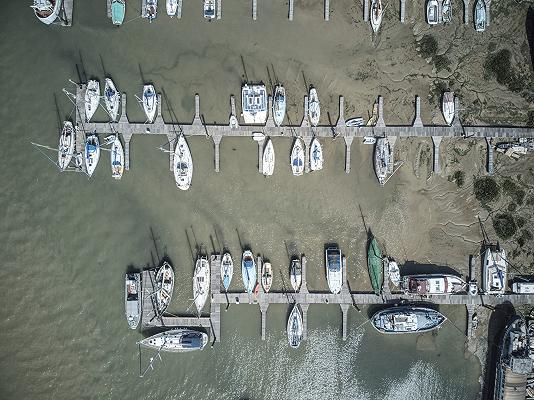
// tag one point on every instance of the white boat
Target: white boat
(334, 274)
(149, 9)
(297, 158)
(47, 10)
(176, 340)
(227, 270)
(432, 284)
(254, 103)
(432, 12)
(314, 108)
(266, 276)
(201, 283)
(248, 271)
(294, 327)
(369, 140)
(494, 271)
(112, 99)
(117, 158)
(279, 105)
(92, 153)
(164, 283)
(149, 102)
(268, 158)
(480, 16)
(92, 98)
(316, 155)
(446, 11)
(183, 164)
(377, 12)
(132, 299)
(407, 319)
(295, 274)
(354, 122)
(172, 7)
(382, 159)
(393, 272)
(447, 106)
(209, 9)
(65, 149)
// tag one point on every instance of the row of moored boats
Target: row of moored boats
(438, 11)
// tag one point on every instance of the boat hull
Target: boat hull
(48, 18)
(92, 154)
(201, 283)
(172, 7)
(494, 272)
(294, 327)
(182, 164)
(446, 10)
(432, 12)
(295, 273)
(112, 99)
(279, 105)
(176, 341)
(316, 155)
(314, 107)
(334, 274)
(407, 319)
(447, 107)
(248, 271)
(297, 158)
(66, 146)
(164, 287)
(149, 102)
(376, 14)
(227, 270)
(268, 159)
(117, 158)
(480, 16)
(266, 276)
(432, 284)
(92, 98)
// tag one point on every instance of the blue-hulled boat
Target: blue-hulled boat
(118, 10)
(248, 271)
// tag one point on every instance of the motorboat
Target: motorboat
(295, 327)
(248, 271)
(201, 282)
(494, 271)
(209, 9)
(117, 158)
(316, 155)
(183, 164)
(369, 140)
(172, 7)
(149, 9)
(279, 105)
(92, 98)
(266, 276)
(447, 106)
(254, 103)
(375, 266)
(432, 12)
(393, 271)
(227, 270)
(176, 340)
(164, 284)
(150, 102)
(65, 149)
(314, 108)
(382, 159)
(407, 319)
(47, 11)
(354, 122)
(334, 274)
(295, 274)
(446, 11)
(377, 12)
(297, 158)
(132, 299)
(92, 153)
(268, 158)
(111, 99)
(480, 16)
(432, 284)
(118, 10)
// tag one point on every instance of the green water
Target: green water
(67, 241)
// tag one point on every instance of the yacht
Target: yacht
(92, 98)
(172, 7)
(295, 272)
(432, 284)
(268, 158)
(382, 159)
(149, 9)
(334, 274)
(164, 284)
(480, 16)
(111, 99)
(150, 102)
(294, 327)
(183, 164)
(279, 105)
(117, 158)
(432, 12)
(254, 103)
(227, 270)
(92, 154)
(248, 271)
(118, 10)
(132, 299)
(209, 9)
(377, 11)
(65, 149)
(407, 319)
(201, 282)
(176, 340)
(447, 106)
(314, 107)
(297, 158)
(47, 10)
(494, 271)
(316, 155)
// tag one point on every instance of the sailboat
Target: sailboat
(227, 270)
(112, 99)
(92, 98)
(295, 274)
(407, 319)
(375, 266)
(183, 164)
(447, 106)
(248, 271)
(314, 108)
(297, 158)
(47, 10)
(480, 16)
(164, 287)
(172, 7)
(316, 155)
(209, 9)
(92, 153)
(382, 159)
(65, 149)
(117, 158)
(294, 327)
(118, 10)
(432, 12)
(266, 276)
(132, 299)
(446, 11)
(268, 158)
(149, 9)
(279, 105)
(149, 102)
(176, 340)
(334, 274)
(377, 12)
(201, 283)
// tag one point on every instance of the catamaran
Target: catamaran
(92, 98)
(209, 9)
(164, 286)
(112, 99)
(132, 299)
(254, 103)
(375, 266)
(432, 284)
(268, 158)
(407, 319)
(382, 159)
(149, 102)
(149, 9)
(183, 164)
(295, 274)
(446, 11)
(316, 155)
(334, 274)
(279, 105)
(266, 276)
(172, 7)
(227, 270)
(47, 10)
(65, 149)
(117, 158)
(494, 271)
(297, 158)
(314, 108)
(377, 12)
(447, 106)
(480, 16)
(248, 271)
(176, 340)
(118, 10)
(294, 327)
(432, 12)
(201, 283)
(92, 153)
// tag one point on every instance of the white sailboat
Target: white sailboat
(209, 9)
(266, 276)
(47, 11)
(183, 164)
(279, 105)
(377, 12)
(172, 7)
(92, 153)
(447, 106)
(112, 99)
(295, 274)
(480, 16)
(92, 98)
(65, 149)
(432, 12)
(227, 270)
(316, 155)
(382, 159)
(117, 158)
(314, 108)
(164, 286)
(201, 283)
(176, 340)
(294, 327)
(149, 102)
(297, 158)
(446, 10)
(268, 158)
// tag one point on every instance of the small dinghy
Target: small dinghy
(172, 7)
(209, 9)
(295, 274)
(432, 12)
(164, 287)
(118, 10)
(314, 108)
(480, 16)
(279, 105)
(176, 340)
(316, 155)
(294, 327)
(201, 283)
(149, 102)
(92, 98)
(446, 11)
(92, 154)
(447, 106)
(65, 149)
(149, 9)
(369, 140)
(268, 158)
(183, 164)
(112, 99)
(248, 271)
(377, 12)
(117, 158)
(266, 276)
(297, 158)
(227, 270)
(132, 299)
(354, 122)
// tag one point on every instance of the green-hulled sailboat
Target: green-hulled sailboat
(374, 263)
